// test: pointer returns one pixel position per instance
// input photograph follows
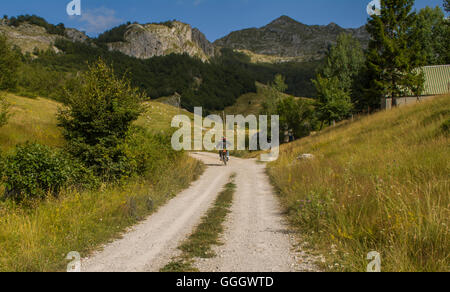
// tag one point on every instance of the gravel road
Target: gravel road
(256, 238)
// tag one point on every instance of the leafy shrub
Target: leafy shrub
(147, 152)
(35, 171)
(100, 111)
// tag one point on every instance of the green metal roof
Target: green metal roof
(437, 79)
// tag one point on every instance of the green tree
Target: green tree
(296, 115)
(335, 80)
(100, 111)
(344, 61)
(274, 93)
(447, 5)
(434, 35)
(394, 52)
(279, 83)
(9, 63)
(334, 102)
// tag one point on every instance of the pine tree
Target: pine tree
(394, 52)
(334, 82)
(344, 61)
(97, 118)
(447, 5)
(274, 93)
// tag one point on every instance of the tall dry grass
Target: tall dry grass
(39, 238)
(379, 184)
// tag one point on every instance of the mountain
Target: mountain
(283, 40)
(288, 38)
(141, 41)
(145, 41)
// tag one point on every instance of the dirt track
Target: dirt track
(256, 238)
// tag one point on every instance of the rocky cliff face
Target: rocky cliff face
(200, 39)
(282, 40)
(29, 37)
(149, 40)
(286, 37)
(76, 35)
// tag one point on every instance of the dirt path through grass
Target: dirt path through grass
(256, 237)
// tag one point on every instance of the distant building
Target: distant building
(437, 82)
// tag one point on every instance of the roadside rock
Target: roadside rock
(306, 157)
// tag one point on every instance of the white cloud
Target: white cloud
(198, 2)
(98, 20)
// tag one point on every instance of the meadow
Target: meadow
(39, 235)
(381, 183)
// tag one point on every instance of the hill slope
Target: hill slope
(379, 184)
(250, 103)
(286, 37)
(35, 120)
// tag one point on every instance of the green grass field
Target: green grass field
(32, 120)
(379, 184)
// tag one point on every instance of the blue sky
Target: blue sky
(215, 18)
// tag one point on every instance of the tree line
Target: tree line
(353, 80)
(213, 85)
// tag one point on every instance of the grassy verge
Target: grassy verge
(379, 184)
(199, 244)
(38, 239)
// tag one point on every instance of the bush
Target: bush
(35, 171)
(100, 111)
(148, 153)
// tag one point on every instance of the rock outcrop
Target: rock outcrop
(75, 35)
(150, 40)
(29, 37)
(200, 39)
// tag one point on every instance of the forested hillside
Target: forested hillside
(213, 85)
